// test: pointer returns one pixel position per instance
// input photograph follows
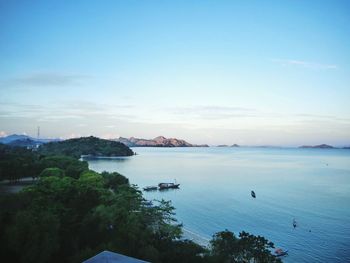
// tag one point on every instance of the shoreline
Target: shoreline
(196, 238)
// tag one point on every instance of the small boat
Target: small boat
(280, 253)
(150, 188)
(163, 186)
(253, 194)
(294, 223)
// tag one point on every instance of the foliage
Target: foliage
(69, 217)
(70, 165)
(184, 251)
(17, 162)
(52, 172)
(227, 248)
(112, 180)
(85, 146)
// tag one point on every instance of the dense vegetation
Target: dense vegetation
(85, 146)
(71, 213)
(17, 162)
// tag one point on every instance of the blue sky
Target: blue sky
(216, 72)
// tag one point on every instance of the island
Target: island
(225, 145)
(88, 146)
(321, 146)
(159, 141)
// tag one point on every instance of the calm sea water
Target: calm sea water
(310, 185)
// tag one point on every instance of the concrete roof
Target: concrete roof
(111, 257)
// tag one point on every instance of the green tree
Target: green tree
(33, 236)
(71, 166)
(17, 162)
(113, 180)
(227, 248)
(52, 172)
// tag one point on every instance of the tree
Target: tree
(256, 248)
(17, 162)
(52, 172)
(113, 180)
(72, 167)
(34, 236)
(227, 248)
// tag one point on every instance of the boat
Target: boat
(150, 188)
(253, 194)
(163, 186)
(294, 223)
(280, 253)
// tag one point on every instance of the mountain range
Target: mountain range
(24, 140)
(159, 141)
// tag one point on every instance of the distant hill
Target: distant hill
(86, 146)
(321, 146)
(29, 143)
(159, 141)
(23, 140)
(225, 145)
(14, 137)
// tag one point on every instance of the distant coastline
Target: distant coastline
(160, 141)
(321, 146)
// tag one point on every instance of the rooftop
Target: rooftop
(111, 257)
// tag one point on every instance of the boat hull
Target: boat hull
(173, 186)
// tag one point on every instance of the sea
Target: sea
(310, 186)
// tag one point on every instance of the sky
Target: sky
(215, 72)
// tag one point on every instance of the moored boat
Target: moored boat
(253, 194)
(163, 186)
